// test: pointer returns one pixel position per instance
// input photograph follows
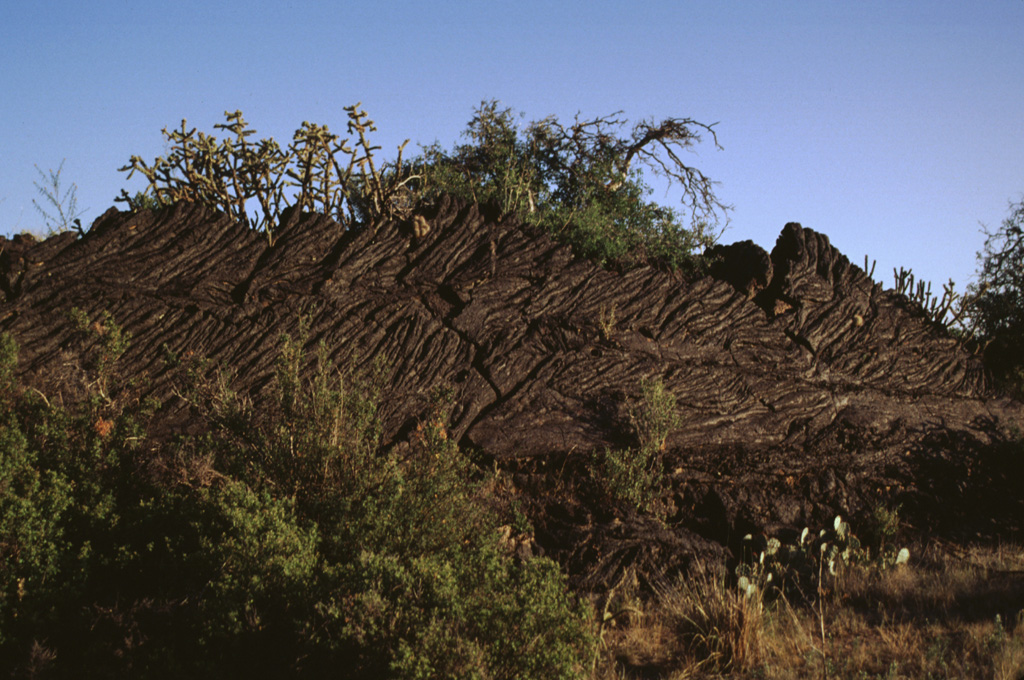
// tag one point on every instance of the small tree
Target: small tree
(584, 182)
(998, 300)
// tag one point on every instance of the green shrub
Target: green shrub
(262, 556)
(630, 476)
(579, 182)
(411, 580)
(467, 614)
(33, 503)
(655, 416)
(67, 495)
(634, 476)
(8, 365)
(997, 301)
(282, 540)
(143, 201)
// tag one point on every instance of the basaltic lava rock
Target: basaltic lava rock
(805, 390)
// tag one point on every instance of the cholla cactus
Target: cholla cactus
(326, 174)
(949, 310)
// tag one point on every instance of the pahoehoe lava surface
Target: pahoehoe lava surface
(804, 388)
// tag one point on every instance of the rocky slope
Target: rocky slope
(804, 388)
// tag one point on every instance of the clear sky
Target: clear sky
(894, 127)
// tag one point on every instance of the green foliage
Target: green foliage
(8, 365)
(278, 541)
(478, 615)
(68, 497)
(495, 167)
(108, 342)
(997, 307)
(261, 559)
(412, 580)
(65, 215)
(633, 476)
(655, 416)
(33, 502)
(881, 528)
(143, 201)
(580, 183)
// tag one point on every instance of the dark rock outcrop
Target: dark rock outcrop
(804, 388)
(745, 265)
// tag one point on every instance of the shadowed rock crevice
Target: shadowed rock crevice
(804, 389)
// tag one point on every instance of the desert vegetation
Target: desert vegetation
(316, 171)
(635, 476)
(997, 300)
(987, 316)
(583, 183)
(59, 207)
(943, 616)
(281, 541)
(285, 541)
(282, 538)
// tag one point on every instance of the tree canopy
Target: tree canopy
(997, 300)
(585, 181)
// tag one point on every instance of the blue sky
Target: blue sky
(894, 127)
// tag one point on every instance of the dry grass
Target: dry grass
(952, 613)
(701, 626)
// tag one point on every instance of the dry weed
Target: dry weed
(700, 625)
(953, 614)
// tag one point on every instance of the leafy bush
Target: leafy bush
(997, 305)
(412, 580)
(32, 543)
(68, 498)
(630, 476)
(633, 476)
(280, 540)
(580, 182)
(144, 201)
(655, 416)
(261, 557)
(468, 613)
